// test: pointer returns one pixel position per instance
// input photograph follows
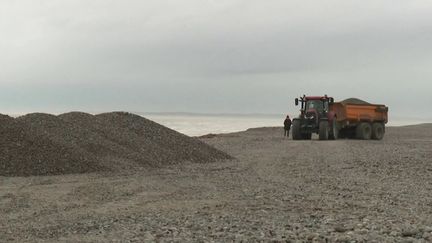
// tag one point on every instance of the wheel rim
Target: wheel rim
(379, 132)
(367, 132)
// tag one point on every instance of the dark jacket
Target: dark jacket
(287, 123)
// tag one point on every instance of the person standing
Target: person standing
(287, 126)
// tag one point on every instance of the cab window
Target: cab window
(315, 104)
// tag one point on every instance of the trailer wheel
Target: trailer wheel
(296, 130)
(323, 130)
(364, 131)
(334, 132)
(378, 131)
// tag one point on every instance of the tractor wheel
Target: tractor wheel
(334, 132)
(364, 131)
(323, 130)
(296, 130)
(378, 131)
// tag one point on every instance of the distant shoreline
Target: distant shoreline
(210, 114)
(396, 122)
(275, 118)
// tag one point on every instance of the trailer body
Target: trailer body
(360, 120)
(352, 114)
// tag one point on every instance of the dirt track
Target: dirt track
(339, 191)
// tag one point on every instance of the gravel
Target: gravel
(355, 101)
(5, 118)
(44, 144)
(278, 190)
(29, 145)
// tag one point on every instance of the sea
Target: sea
(198, 125)
(202, 124)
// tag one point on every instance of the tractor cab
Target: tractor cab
(313, 118)
(314, 105)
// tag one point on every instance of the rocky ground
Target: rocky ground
(277, 190)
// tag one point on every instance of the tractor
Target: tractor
(315, 117)
(350, 118)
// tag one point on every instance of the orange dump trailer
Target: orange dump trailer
(359, 119)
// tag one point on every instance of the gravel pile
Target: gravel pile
(5, 118)
(29, 146)
(355, 101)
(43, 144)
(157, 141)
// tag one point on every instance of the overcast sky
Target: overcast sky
(213, 56)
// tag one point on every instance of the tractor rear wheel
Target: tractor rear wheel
(364, 131)
(334, 132)
(296, 130)
(323, 130)
(378, 131)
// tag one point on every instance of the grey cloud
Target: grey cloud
(212, 56)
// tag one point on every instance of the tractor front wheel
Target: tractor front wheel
(334, 133)
(296, 129)
(323, 130)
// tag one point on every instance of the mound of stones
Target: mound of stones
(43, 144)
(355, 101)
